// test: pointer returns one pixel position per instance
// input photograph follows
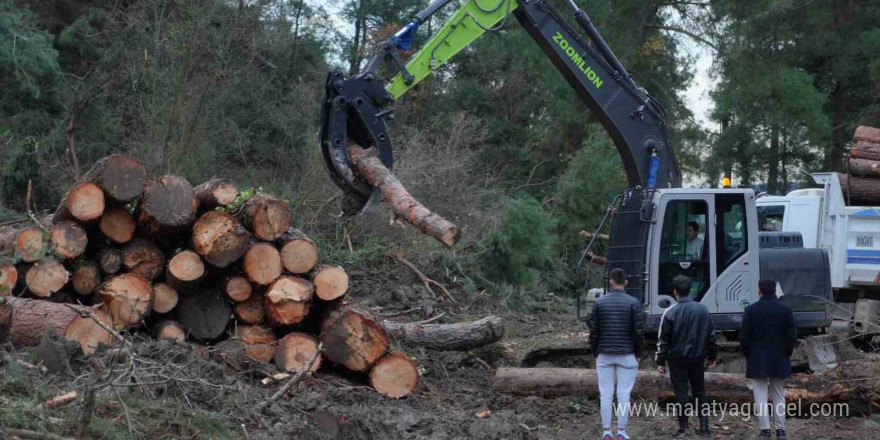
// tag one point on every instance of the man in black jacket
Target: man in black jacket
(767, 337)
(617, 326)
(685, 341)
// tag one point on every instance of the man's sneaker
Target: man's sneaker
(780, 433)
(622, 436)
(681, 433)
(607, 436)
(765, 433)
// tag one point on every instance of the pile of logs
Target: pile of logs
(204, 264)
(862, 183)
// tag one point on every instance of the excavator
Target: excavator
(657, 229)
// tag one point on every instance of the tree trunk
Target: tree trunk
(295, 351)
(331, 282)
(864, 168)
(84, 203)
(259, 341)
(88, 333)
(86, 278)
(299, 254)
(204, 315)
(69, 239)
(288, 300)
(121, 177)
(167, 209)
(395, 375)
(215, 192)
(109, 260)
(839, 131)
(237, 288)
(8, 279)
(169, 329)
(862, 191)
(46, 277)
(377, 175)
(31, 244)
(251, 310)
(185, 271)
(33, 318)
(459, 336)
(354, 58)
(128, 298)
(267, 217)
(262, 264)
(773, 162)
(142, 257)
(118, 225)
(353, 339)
(165, 298)
(219, 238)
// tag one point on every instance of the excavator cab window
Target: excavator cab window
(684, 249)
(732, 240)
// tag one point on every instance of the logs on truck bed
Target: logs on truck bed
(353, 339)
(331, 282)
(165, 298)
(370, 167)
(237, 288)
(865, 133)
(8, 279)
(204, 315)
(121, 177)
(262, 264)
(143, 257)
(109, 260)
(215, 192)
(128, 298)
(299, 254)
(459, 336)
(185, 271)
(31, 244)
(86, 278)
(268, 217)
(866, 150)
(118, 225)
(860, 190)
(395, 375)
(46, 277)
(864, 168)
(219, 238)
(83, 203)
(88, 333)
(167, 209)
(294, 352)
(68, 239)
(259, 341)
(288, 299)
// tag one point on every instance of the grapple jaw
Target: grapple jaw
(355, 110)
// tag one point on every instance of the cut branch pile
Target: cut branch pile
(203, 263)
(861, 182)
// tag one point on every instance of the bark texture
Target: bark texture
(459, 336)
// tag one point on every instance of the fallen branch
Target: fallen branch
(34, 435)
(458, 336)
(306, 371)
(370, 167)
(424, 279)
(59, 400)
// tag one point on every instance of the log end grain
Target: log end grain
(46, 277)
(295, 351)
(169, 329)
(167, 208)
(262, 264)
(31, 244)
(251, 310)
(118, 225)
(299, 255)
(288, 299)
(238, 288)
(185, 270)
(85, 202)
(331, 282)
(121, 177)
(164, 298)
(8, 279)
(395, 375)
(268, 217)
(353, 339)
(88, 333)
(220, 238)
(216, 192)
(865, 133)
(204, 314)
(259, 341)
(128, 298)
(69, 239)
(142, 257)
(109, 260)
(86, 278)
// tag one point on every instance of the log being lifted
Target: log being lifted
(353, 339)
(83, 203)
(128, 298)
(459, 336)
(167, 209)
(268, 217)
(370, 167)
(220, 238)
(215, 192)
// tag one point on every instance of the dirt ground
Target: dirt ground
(173, 393)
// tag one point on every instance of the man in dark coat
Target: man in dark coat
(617, 325)
(767, 337)
(685, 341)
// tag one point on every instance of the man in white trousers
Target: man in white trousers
(617, 325)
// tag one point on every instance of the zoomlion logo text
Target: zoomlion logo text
(578, 60)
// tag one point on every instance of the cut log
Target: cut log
(237, 288)
(370, 167)
(109, 260)
(185, 271)
(68, 239)
(219, 238)
(299, 254)
(164, 298)
(142, 257)
(331, 282)
(860, 190)
(33, 318)
(353, 339)
(262, 264)
(88, 333)
(167, 209)
(31, 244)
(121, 177)
(864, 168)
(395, 375)
(459, 336)
(118, 225)
(86, 278)
(251, 310)
(84, 203)
(128, 298)
(215, 192)
(295, 351)
(866, 150)
(8, 279)
(204, 315)
(46, 277)
(867, 134)
(258, 340)
(288, 299)
(169, 329)
(268, 217)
